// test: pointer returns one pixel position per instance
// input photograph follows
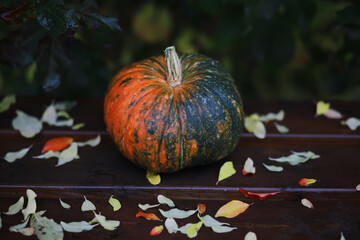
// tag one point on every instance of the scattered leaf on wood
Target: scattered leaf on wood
(146, 206)
(6, 102)
(64, 123)
(27, 125)
(184, 228)
(0, 221)
(250, 236)
(342, 236)
(307, 203)
(249, 167)
(110, 225)
(232, 209)
(272, 116)
(78, 126)
(68, 155)
(333, 114)
(46, 228)
(193, 230)
(352, 123)
(48, 154)
(147, 216)
(211, 222)
(63, 114)
(357, 188)
(16, 207)
(19, 226)
(306, 181)
(156, 230)
(307, 154)
(164, 200)
(57, 144)
(177, 213)
(201, 208)
(87, 205)
(49, 116)
(171, 225)
(114, 203)
(322, 108)
(281, 128)
(24, 231)
(226, 171)
(296, 158)
(12, 156)
(77, 227)
(91, 142)
(222, 229)
(258, 196)
(273, 168)
(153, 178)
(64, 204)
(254, 125)
(31, 204)
(65, 105)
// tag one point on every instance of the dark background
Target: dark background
(274, 49)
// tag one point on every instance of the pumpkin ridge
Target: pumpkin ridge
(181, 133)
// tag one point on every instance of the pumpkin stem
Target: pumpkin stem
(173, 67)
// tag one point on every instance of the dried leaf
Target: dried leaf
(201, 208)
(357, 188)
(27, 125)
(273, 168)
(342, 236)
(296, 158)
(49, 116)
(222, 229)
(77, 227)
(192, 231)
(153, 178)
(6, 102)
(307, 154)
(254, 125)
(65, 105)
(171, 225)
(272, 116)
(48, 154)
(322, 108)
(16, 207)
(184, 228)
(110, 225)
(249, 167)
(45, 228)
(78, 126)
(333, 114)
(68, 154)
(156, 230)
(87, 205)
(250, 236)
(19, 226)
(64, 123)
(258, 196)
(306, 181)
(31, 204)
(177, 213)
(164, 200)
(352, 123)
(146, 206)
(226, 170)
(114, 203)
(211, 222)
(25, 231)
(12, 156)
(281, 128)
(147, 216)
(307, 203)
(92, 142)
(57, 144)
(232, 209)
(64, 204)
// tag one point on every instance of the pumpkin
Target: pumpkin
(169, 113)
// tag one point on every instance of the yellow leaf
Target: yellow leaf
(232, 209)
(226, 170)
(153, 178)
(322, 107)
(114, 203)
(192, 231)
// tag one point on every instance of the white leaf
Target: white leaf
(357, 188)
(333, 114)
(77, 227)
(211, 222)
(0, 221)
(87, 205)
(27, 125)
(6, 102)
(307, 154)
(146, 206)
(107, 224)
(164, 200)
(171, 225)
(68, 154)
(352, 123)
(45, 228)
(48, 154)
(222, 229)
(307, 203)
(184, 228)
(292, 159)
(12, 156)
(19, 226)
(92, 142)
(250, 236)
(16, 207)
(64, 204)
(49, 116)
(25, 231)
(177, 213)
(281, 128)
(64, 123)
(342, 236)
(65, 105)
(31, 204)
(273, 168)
(272, 116)
(249, 166)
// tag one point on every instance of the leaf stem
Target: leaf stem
(173, 67)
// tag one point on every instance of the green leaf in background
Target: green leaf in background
(349, 15)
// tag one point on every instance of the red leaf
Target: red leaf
(259, 196)
(306, 181)
(201, 208)
(57, 144)
(147, 216)
(156, 230)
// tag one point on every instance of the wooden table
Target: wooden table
(102, 171)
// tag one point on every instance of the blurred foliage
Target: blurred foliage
(279, 49)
